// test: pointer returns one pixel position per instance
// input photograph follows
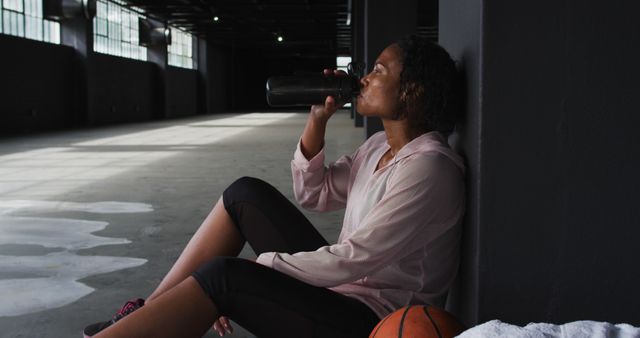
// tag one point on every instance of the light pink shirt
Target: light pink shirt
(399, 242)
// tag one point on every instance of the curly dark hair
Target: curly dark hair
(427, 84)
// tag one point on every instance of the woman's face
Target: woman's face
(380, 88)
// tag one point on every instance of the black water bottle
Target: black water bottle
(310, 89)
(306, 90)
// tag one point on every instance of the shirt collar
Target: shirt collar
(421, 143)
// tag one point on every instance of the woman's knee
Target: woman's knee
(246, 189)
(213, 276)
(224, 276)
(247, 183)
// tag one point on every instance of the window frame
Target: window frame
(116, 31)
(180, 51)
(24, 19)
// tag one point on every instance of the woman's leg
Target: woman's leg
(183, 311)
(271, 304)
(268, 303)
(250, 210)
(217, 236)
(268, 220)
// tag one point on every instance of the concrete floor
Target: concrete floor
(91, 218)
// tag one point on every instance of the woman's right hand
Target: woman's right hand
(324, 112)
(312, 138)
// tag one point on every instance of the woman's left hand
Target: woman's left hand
(222, 326)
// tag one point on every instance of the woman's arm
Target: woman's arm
(316, 186)
(425, 200)
(313, 135)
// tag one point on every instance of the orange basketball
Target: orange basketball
(418, 321)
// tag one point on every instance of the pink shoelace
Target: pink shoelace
(128, 307)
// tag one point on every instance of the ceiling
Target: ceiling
(309, 28)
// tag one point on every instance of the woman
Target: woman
(404, 197)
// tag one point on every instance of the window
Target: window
(180, 51)
(341, 64)
(115, 31)
(23, 18)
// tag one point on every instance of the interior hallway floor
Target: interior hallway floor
(91, 218)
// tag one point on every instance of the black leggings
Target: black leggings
(265, 301)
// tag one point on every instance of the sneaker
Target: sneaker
(128, 307)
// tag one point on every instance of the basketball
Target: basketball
(418, 321)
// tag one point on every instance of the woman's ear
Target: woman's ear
(410, 99)
(411, 93)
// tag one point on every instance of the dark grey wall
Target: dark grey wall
(463, 41)
(249, 70)
(553, 153)
(246, 87)
(45, 86)
(213, 77)
(74, 86)
(122, 90)
(357, 31)
(385, 21)
(34, 97)
(182, 92)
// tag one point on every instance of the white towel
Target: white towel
(579, 329)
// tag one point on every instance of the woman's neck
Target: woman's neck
(398, 134)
